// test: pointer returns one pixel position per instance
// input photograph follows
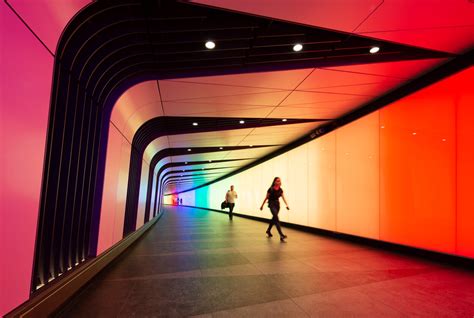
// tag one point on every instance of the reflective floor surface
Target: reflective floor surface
(196, 262)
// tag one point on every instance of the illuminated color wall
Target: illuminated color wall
(403, 174)
(25, 88)
(115, 190)
(188, 198)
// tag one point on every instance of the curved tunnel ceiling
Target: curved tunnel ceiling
(164, 39)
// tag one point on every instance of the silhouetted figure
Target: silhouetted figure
(230, 197)
(181, 201)
(273, 196)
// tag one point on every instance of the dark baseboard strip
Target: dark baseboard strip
(439, 257)
(46, 303)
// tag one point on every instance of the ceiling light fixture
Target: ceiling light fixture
(297, 47)
(189, 149)
(374, 49)
(250, 145)
(195, 124)
(210, 45)
(285, 120)
(242, 122)
(221, 148)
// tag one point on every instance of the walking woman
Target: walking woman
(273, 196)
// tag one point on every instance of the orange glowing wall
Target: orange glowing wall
(418, 170)
(403, 174)
(357, 177)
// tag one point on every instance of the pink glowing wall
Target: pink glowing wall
(115, 190)
(25, 86)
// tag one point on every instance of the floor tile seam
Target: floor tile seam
(155, 277)
(355, 289)
(214, 313)
(380, 282)
(275, 285)
(407, 313)
(125, 302)
(301, 308)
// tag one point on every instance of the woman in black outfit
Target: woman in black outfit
(273, 196)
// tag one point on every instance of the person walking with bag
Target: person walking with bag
(273, 196)
(230, 197)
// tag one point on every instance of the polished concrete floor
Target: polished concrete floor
(197, 263)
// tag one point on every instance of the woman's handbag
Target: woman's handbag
(224, 205)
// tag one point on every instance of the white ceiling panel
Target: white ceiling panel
(192, 108)
(279, 80)
(178, 90)
(316, 112)
(293, 128)
(208, 142)
(235, 111)
(211, 135)
(400, 70)
(314, 98)
(257, 99)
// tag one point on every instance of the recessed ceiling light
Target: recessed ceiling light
(221, 148)
(184, 170)
(250, 145)
(444, 139)
(195, 124)
(284, 119)
(297, 47)
(189, 149)
(413, 133)
(186, 163)
(242, 122)
(210, 160)
(210, 45)
(374, 49)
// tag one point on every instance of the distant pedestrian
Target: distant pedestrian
(230, 197)
(273, 196)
